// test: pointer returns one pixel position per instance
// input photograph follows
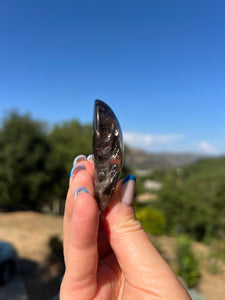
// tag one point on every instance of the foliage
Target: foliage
(139, 185)
(152, 220)
(157, 174)
(194, 200)
(24, 151)
(67, 141)
(56, 248)
(188, 266)
(35, 164)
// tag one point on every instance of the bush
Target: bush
(56, 248)
(188, 265)
(152, 220)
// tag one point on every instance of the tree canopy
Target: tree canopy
(194, 199)
(67, 141)
(35, 161)
(24, 151)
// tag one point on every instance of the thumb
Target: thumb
(142, 265)
(126, 236)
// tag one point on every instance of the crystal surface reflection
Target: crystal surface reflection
(108, 152)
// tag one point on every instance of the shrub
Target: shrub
(188, 265)
(152, 220)
(56, 248)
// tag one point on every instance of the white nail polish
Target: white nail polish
(78, 159)
(127, 190)
(90, 157)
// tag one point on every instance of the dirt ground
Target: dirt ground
(30, 232)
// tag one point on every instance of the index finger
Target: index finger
(81, 175)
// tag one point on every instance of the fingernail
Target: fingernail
(78, 191)
(78, 159)
(90, 157)
(128, 189)
(76, 169)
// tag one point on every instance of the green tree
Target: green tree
(35, 163)
(24, 149)
(219, 209)
(193, 201)
(67, 140)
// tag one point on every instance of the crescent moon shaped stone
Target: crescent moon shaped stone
(108, 152)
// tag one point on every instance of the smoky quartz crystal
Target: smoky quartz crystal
(108, 152)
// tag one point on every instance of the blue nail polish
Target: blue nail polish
(79, 158)
(79, 190)
(76, 169)
(129, 177)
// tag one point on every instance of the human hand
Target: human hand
(110, 256)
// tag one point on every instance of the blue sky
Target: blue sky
(159, 64)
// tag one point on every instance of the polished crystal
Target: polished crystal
(108, 152)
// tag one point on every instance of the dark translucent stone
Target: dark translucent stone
(108, 152)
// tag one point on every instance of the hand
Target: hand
(112, 258)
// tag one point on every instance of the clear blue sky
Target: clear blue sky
(159, 64)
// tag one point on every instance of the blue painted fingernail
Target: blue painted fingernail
(76, 169)
(129, 177)
(78, 191)
(78, 159)
(127, 190)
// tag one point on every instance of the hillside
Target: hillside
(142, 160)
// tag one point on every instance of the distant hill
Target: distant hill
(142, 160)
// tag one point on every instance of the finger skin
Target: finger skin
(85, 276)
(142, 265)
(82, 257)
(131, 269)
(82, 178)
